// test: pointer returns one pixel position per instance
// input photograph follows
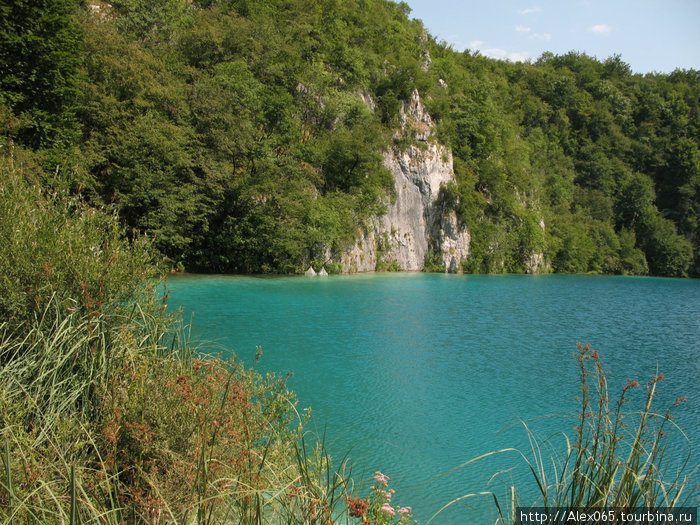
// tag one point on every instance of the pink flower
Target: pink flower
(405, 510)
(381, 478)
(388, 509)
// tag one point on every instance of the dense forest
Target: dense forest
(247, 135)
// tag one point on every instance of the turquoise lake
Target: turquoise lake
(415, 374)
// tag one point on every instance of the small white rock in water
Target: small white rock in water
(310, 272)
(323, 272)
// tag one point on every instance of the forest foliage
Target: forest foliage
(247, 136)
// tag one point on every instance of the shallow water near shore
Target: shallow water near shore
(415, 374)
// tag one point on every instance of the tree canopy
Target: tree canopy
(248, 136)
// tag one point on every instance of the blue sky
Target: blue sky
(651, 35)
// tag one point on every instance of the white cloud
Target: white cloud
(541, 36)
(502, 54)
(519, 57)
(495, 52)
(529, 10)
(602, 29)
(455, 42)
(522, 29)
(474, 44)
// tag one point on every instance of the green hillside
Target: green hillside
(247, 136)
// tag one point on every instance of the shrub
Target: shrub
(108, 415)
(193, 439)
(175, 439)
(433, 262)
(334, 268)
(59, 250)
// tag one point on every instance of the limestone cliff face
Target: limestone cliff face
(415, 222)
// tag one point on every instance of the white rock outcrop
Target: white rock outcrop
(415, 221)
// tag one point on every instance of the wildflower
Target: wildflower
(405, 510)
(387, 493)
(388, 509)
(381, 478)
(357, 507)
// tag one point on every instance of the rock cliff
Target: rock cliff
(415, 225)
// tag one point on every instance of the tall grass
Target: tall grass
(615, 459)
(109, 428)
(109, 415)
(54, 364)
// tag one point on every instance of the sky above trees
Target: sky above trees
(651, 35)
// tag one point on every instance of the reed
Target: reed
(615, 459)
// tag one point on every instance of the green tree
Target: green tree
(40, 51)
(679, 182)
(248, 136)
(668, 253)
(632, 259)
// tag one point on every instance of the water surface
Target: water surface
(414, 374)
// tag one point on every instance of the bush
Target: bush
(73, 290)
(433, 262)
(108, 415)
(668, 253)
(173, 438)
(193, 439)
(58, 250)
(334, 268)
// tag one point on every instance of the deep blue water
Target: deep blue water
(414, 374)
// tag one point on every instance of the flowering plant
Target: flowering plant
(378, 508)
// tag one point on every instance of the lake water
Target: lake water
(415, 374)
